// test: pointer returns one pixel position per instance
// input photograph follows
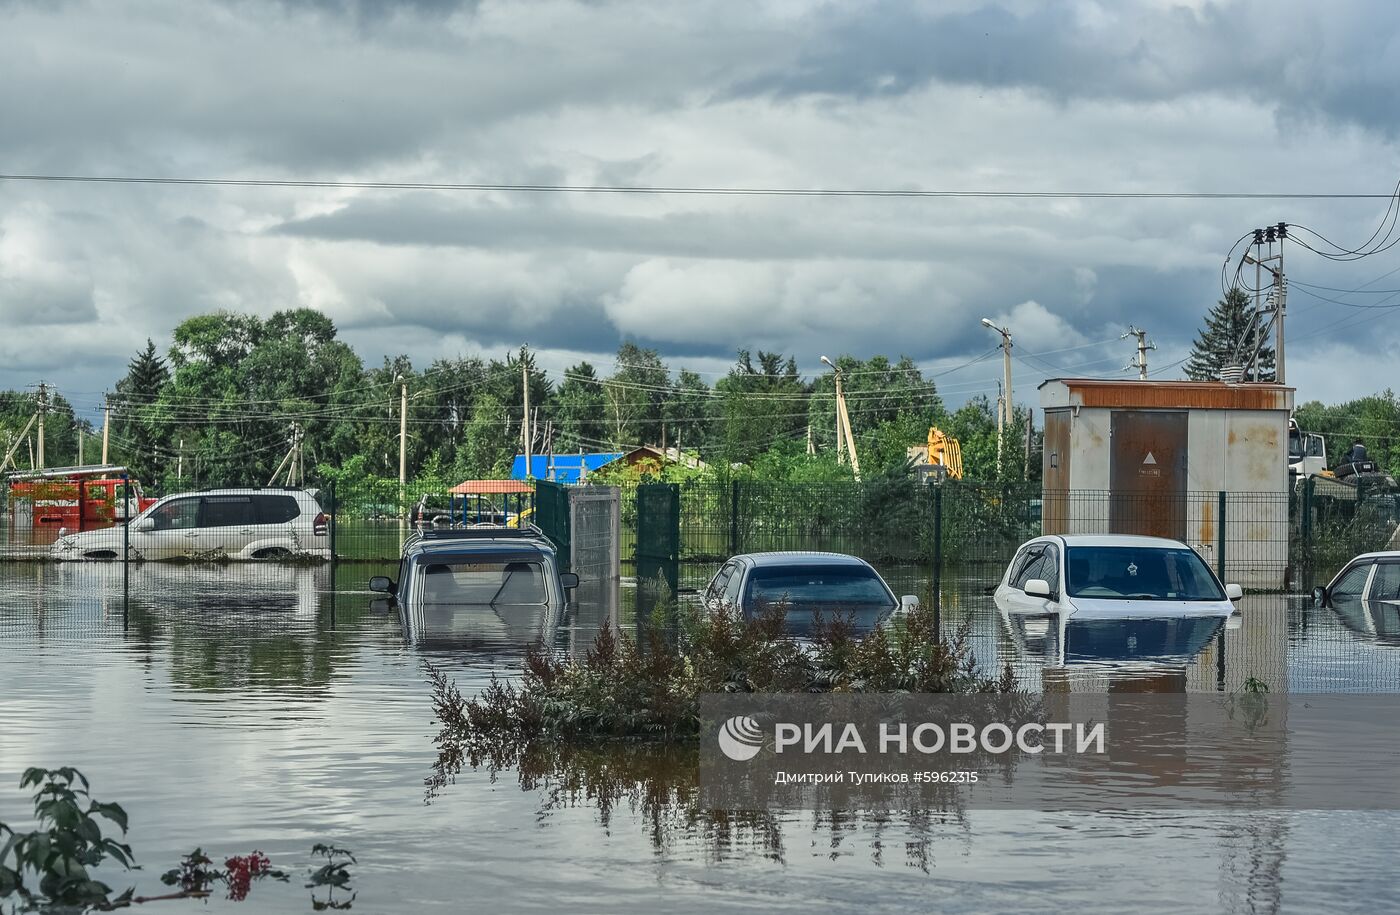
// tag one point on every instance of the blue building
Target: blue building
(561, 468)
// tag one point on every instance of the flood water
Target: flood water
(239, 707)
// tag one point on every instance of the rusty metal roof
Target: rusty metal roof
(1188, 395)
(490, 487)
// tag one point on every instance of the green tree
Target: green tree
(60, 429)
(141, 440)
(579, 409)
(634, 397)
(761, 404)
(690, 413)
(1229, 337)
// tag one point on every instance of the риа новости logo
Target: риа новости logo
(740, 738)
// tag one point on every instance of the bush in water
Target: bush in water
(650, 687)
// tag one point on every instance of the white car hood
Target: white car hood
(107, 536)
(1100, 608)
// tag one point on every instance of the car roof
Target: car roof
(462, 547)
(242, 491)
(1379, 554)
(783, 558)
(1116, 540)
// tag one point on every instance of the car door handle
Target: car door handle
(246, 530)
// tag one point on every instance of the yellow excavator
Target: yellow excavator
(942, 454)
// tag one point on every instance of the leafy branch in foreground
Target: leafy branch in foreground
(67, 844)
(70, 842)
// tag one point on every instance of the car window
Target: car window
(835, 587)
(1139, 573)
(1386, 584)
(177, 514)
(1016, 562)
(491, 583)
(716, 589)
(276, 509)
(731, 586)
(1353, 582)
(1029, 563)
(227, 511)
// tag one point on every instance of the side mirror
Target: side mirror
(145, 524)
(1038, 587)
(568, 580)
(382, 584)
(908, 603)
(1234, 592)
(1320, 596)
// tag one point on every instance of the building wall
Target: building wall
(1239, 451)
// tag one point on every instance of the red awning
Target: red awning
(490, 487)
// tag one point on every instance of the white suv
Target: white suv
(213, 524)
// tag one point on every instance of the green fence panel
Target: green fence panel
(552, 518)
(658, 541)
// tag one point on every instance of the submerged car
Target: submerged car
(478, 585)
(808, 585)
(214, 523)
(1112, 576)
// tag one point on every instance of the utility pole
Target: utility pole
(106, 426)
(525, 430)
(1007, 408)
(43, 409)
(180, 462)
(80, 444)
(843, 423)
(1277, 299)
(811, 445)
(1030, 418)
(1142, 347)
(403, 436)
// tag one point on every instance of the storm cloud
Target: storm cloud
(1080, 96)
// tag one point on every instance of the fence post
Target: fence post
(1305, 532)
(334, 523)
(938, 560)
(1220, 541)
(734, 518)
(126, 546)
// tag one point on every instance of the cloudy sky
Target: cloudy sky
(1285, 96)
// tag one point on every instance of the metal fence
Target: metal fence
(1264, 541)
(681, 533)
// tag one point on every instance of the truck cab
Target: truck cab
(1307, 453)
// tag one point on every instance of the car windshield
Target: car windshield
(1139, 573)
(486, 582)
(818, 587)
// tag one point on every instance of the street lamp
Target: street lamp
(1004, 409)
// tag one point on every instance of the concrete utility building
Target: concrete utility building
(1152, 457)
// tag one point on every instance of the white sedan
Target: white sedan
(1112, 576)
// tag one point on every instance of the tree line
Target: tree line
(220, 405)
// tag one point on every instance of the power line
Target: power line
(692, 190)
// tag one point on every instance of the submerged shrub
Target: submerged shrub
(649, 687)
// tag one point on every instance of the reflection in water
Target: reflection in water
(1128, 645)
(302, 686)
(1377, 620)
(472, 627)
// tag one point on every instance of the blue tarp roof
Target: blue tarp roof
(565, 466)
